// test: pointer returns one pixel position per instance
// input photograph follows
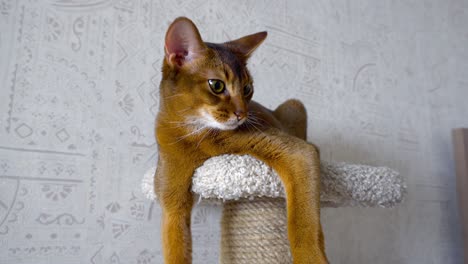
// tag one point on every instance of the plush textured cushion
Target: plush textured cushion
(229, 177)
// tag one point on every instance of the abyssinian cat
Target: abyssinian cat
(206, 110)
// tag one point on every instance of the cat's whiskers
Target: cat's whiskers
(255, 121)
(185, 123)
(184, 110)
(177, 122)
(246, 125)
(256, 128)
(204, 136)
(194, 132)
(179, 126)
(258, 118)
(171, 96)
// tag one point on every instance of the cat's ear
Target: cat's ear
(248, 44)
(183, 42)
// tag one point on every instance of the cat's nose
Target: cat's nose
(240, 114)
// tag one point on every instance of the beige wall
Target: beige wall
(383, 81)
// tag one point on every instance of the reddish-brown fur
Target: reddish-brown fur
(185, 140)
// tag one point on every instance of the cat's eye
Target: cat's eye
(247, 90)
(217, 86)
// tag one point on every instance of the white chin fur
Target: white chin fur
(209, 121)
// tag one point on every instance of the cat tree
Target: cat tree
(254, 209)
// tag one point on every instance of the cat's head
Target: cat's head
(206, 83)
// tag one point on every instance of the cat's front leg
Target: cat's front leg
(298, 165)
(299, 171)
(301, 178)
(172, 186)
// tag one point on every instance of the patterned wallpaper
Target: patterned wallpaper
(383, 81)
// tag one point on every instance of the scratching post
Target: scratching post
(254, 232)
(254, 214)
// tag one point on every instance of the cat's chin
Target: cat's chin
(223, 126)
(208, 121)
(229, 127)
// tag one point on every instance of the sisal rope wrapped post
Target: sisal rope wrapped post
(254, 232)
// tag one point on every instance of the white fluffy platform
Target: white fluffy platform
(230, 177)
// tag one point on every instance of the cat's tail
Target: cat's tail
(293, 117)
